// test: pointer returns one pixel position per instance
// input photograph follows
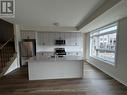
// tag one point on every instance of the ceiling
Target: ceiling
(47, 12)
(117, 12)
(68, 14)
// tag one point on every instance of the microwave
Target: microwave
(60, 42)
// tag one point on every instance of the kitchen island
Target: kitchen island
(48, 67)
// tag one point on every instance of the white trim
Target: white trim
(105, 61)
(109, 32)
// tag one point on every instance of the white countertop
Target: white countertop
(49, 58)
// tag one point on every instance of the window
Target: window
(103, 43)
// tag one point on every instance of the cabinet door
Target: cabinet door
(41, 38)
(68, 39)
(74, 39)
(28, 35)
(71, 39)
(50, 38)
(79, 39)
(62, 35)
(45, 38)
(58, 36)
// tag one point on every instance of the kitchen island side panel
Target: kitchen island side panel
(59, 69)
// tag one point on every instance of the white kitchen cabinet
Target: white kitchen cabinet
(48, 38)
(28, 35)
(51, 40)
(62, 35)
(79, 39)
(41, 38)
(73, 54)
(73, 39)
(56, 36)
(68, 39)
(43, 67)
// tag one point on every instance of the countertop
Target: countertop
(50, 58)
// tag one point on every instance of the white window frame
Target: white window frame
(97, 32)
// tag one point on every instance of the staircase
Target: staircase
(7, 52)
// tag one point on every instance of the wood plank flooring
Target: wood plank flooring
(94, 82)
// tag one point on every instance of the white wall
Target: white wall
(120, 69)
(17, 39)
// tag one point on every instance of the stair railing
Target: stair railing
(7, 51)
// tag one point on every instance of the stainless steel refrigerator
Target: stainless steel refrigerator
(27, 49)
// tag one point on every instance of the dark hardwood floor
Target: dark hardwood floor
(94, 82)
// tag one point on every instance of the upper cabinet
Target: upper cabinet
(68, 39)
(73, 39)
(28, 35)
(79, 39)
(49, 38)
